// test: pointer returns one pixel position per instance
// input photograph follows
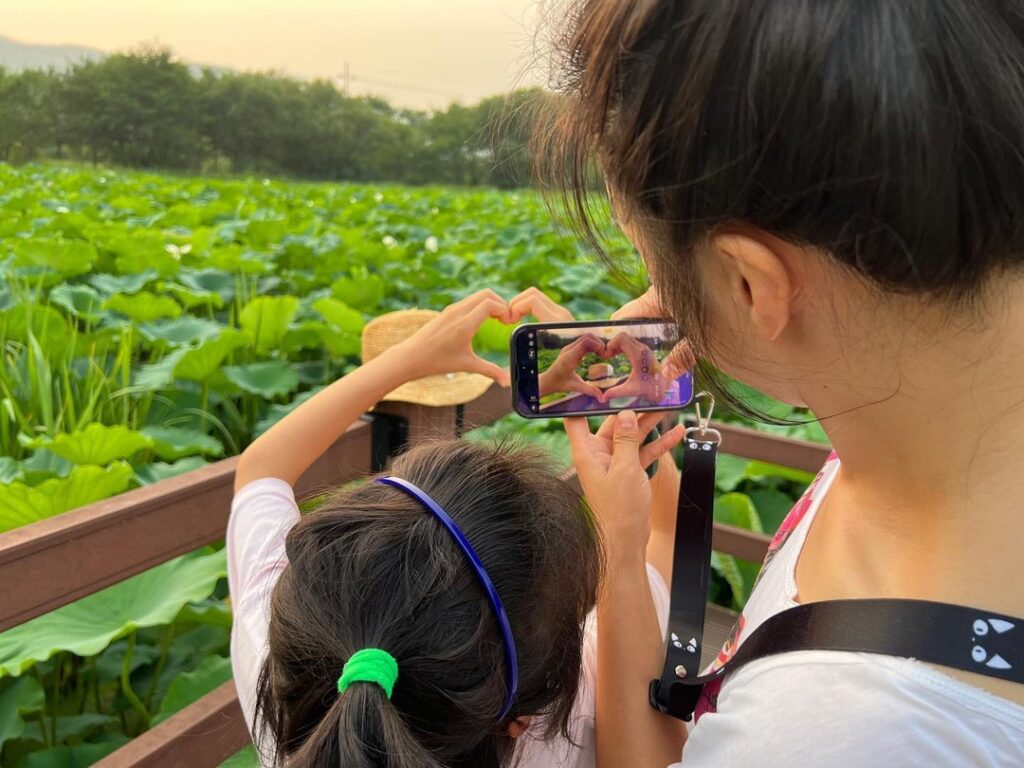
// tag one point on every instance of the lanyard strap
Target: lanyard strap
(954, 636)
(691, 569)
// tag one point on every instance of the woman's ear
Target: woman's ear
(518, 727)
(759, 280)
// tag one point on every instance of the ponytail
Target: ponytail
(362, 729)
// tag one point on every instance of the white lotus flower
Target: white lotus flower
(389, 241)
(178, 251)
(431, 244)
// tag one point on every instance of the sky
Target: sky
(417, 53)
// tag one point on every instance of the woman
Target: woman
(828, 198)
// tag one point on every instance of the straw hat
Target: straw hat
(446, 389)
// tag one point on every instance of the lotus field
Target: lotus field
(152, 324)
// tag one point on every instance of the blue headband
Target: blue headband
(481, 572)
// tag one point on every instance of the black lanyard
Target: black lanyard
(954, 636)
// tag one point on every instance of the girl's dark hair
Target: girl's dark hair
(373, 568)
(888, 133)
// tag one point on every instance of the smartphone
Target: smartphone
(593, 368)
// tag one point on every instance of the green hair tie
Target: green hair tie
(370, 665)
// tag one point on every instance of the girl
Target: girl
(828, 196)
(424, 619)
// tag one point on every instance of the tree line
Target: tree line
(146, 109)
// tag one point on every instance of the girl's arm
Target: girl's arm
(443, 345)
(630, 647)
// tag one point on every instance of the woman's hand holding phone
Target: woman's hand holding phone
(610, 465)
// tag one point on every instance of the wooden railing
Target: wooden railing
(59, 560)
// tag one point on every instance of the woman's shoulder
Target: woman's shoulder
(874, 709)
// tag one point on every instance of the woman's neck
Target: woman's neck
(930, 431)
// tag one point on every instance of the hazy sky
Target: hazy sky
(422, 53)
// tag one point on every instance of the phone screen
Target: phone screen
(573, 369)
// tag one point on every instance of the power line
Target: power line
(347, 78)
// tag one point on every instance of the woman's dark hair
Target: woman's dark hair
(888, 133)
(372, 567)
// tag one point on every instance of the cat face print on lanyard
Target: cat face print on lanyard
(988, 654)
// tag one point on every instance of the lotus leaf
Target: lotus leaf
(126, 284)
(269, 379)
(10, 470)
(173, 443)
(159, 374)
(143, 307)
(80, 300)
(267, 318)
(141, 251)
(364, 293)
(340, 315)
(96, 444)
(21, 504)
(730, 471)
(66, 258)
(201, 362)
(158, 470)
(772, 507)
(183, 330)
(737, 509)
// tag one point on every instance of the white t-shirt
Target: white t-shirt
(841, 709)
(262, 513)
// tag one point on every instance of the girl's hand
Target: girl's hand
(445, 344)
(610, 465)
(533, 301)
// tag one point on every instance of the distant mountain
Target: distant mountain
(17, 56)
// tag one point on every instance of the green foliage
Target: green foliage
(145, 109)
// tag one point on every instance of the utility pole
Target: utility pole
(347, 80)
